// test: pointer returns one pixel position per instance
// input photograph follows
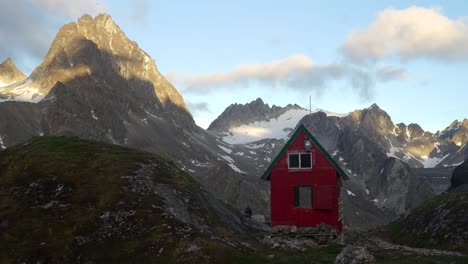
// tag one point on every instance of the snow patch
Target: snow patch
(255, 146)
(432, 162)
(24, 91)
(3, 84)
(2, 146)
(227, 150)
(231, 163)
(200, 164)
(367, 191)
(350, 193)
(93, 115)
(328, 113)
(234, 167)
(227, 158)
(436, 146)
(394, 130)
(275, 128)
(453, 165)
(408, 134)
(458, 143)
(392, 150)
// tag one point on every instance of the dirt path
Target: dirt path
(374, 243)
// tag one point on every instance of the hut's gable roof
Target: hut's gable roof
(266, 174)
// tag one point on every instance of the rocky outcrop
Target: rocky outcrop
(454, 141)
(398, 188)
(443, 219)
(9, 73)
(354, 255)
(459, 180)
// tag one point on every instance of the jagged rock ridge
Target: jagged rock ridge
(238, 114)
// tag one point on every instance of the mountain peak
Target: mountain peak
(8, 61)
(374, 106)
(85, 18)
(258, 101)
(9, 73)
(102, 22)
(98, 47)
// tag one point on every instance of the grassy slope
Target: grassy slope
(55, 191)
(91, 172)
(418, 219)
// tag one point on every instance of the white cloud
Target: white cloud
(198, 107)
(391, 72)
(297, 72)
(415, 32)
(73, 9)
(269, 73)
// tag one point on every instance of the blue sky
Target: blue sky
(222, 52)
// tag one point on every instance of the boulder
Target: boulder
(459, 180)
(354, 255)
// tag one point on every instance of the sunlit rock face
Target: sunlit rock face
(15, 86)
(9, 73)
(90, 46)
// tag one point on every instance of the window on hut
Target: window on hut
(299, 161)
(294, 161)
(303, 196)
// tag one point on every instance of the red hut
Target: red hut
(305, 183)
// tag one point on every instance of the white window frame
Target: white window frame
(300, 167)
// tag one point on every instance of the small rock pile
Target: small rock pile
(301, 238)
(354, 255)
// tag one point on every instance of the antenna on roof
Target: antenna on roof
(310, 104)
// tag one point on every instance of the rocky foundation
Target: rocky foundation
(301, 238)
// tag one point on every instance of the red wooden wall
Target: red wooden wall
(322, 177)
